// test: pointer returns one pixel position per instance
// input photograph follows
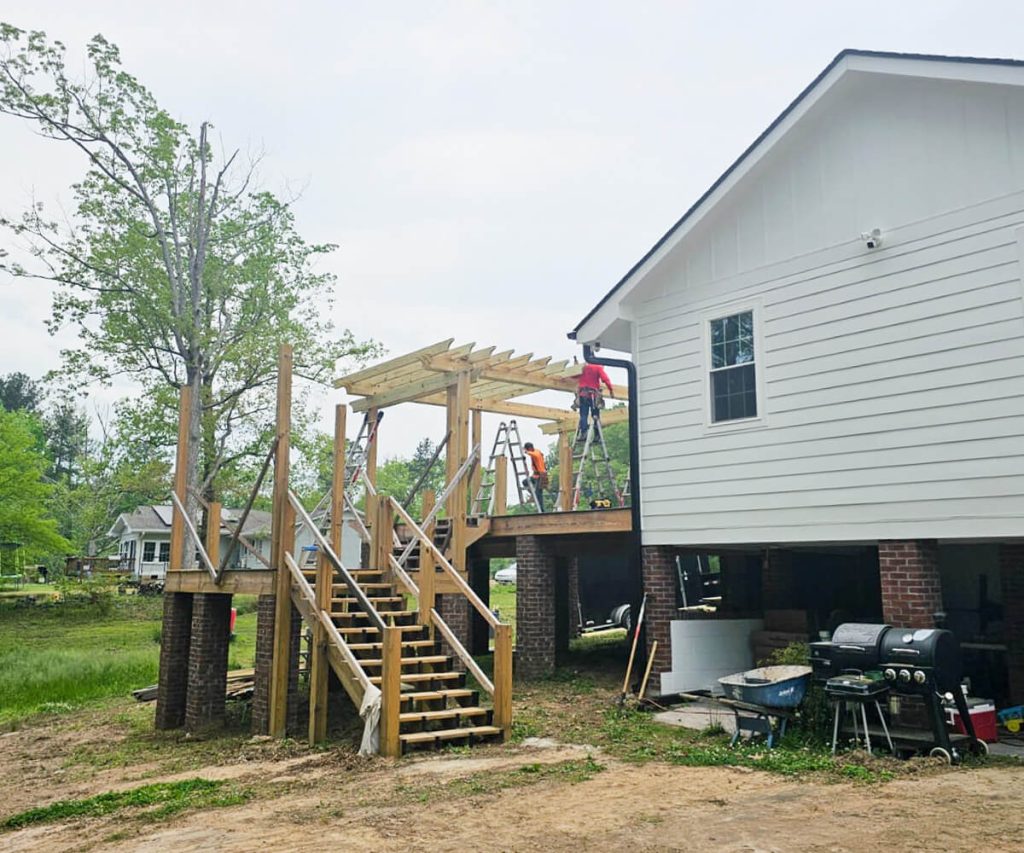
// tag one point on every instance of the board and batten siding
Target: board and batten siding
(892, 393)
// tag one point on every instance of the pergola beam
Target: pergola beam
(408, 393)
(373, 373)
(568, 424)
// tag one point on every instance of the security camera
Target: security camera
(873, 238)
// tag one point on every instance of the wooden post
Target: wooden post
(177, 552)
(282, 541)
(371, 523)
(565, 484)
(503, 679)
(212, 543)
(391, 692)
(371, 450)
(318, 666)
(460, 438)
(500, 485)
(338, 480)
(427, 573)
(383, 531)
(477, 438)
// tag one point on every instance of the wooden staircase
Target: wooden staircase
(436, 705)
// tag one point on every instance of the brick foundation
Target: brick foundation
(535, 608)
(264, 656)
(293, 725)
(911, 588)
(454, 609)
(573, 593)
(779, 587)
(1011, 566)
(659, 571)
(174, 653)
(208, 661)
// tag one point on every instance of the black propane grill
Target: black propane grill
(914, 662)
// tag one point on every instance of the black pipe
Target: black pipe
(636, 556)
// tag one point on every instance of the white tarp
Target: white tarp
(370, 712)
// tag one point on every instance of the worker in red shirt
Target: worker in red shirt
(588, 395)
(539, 475)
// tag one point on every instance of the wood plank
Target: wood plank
(504, 407)
(338, 479)
(476, 438)
(318, 654)
(370, 466)
(406, 392)
(459, 498)
(282, 542)
(500, 485)
(212, 543)
(503, 679)
(177, 550)
(618, 415)
(383, 367)
(565, 472)
(391, 693)
(556, 523)
(239, 582)
(428, 573)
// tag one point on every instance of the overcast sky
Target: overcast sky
(489, 170)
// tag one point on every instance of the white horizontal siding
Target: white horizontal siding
(894, 401)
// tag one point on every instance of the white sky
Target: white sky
(489, 170)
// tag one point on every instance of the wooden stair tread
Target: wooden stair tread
(434, 695)
(450, 734)
(370, 647)
(374, 599)
(372, 629)
(412, 677)
(356, 614)
(444, 714)
(415, 659)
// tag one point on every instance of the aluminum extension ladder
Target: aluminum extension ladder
(507, 442)
(585, 450)
(355, 457)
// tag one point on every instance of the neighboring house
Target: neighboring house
(144, 537)
(830, 357)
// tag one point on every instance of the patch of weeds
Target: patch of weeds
(716, 729)
(56, 708)
(162, 800)
(524, 728)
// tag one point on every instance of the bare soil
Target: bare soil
(480, 800)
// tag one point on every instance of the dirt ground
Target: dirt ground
(529, 797)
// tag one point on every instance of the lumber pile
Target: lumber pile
(239, 686)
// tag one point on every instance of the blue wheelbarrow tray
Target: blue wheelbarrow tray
(770, 686)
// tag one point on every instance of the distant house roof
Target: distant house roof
(157, 519)
(977, 69)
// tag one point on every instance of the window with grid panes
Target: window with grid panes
(165, 552)
(148, 552)
(733, 372)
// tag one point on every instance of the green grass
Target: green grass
(27, 589)
(55, 657)
(162, 800)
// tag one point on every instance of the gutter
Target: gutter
(636, 563)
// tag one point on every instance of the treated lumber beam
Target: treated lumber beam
(608, 417)
(556, 523)
(504, 407)
(177, 550)
(382, 368)
(406, 393)
(240, 582)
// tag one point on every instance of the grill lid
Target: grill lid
(861, 634)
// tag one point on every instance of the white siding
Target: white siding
(894, 379)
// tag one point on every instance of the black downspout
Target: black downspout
(636, 554)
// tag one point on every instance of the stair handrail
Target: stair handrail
(328, 551)
(464, 469)
(307, 592)
(200, 547)
(461, 651)
(457, 579)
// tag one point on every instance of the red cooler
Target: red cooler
(983, 715)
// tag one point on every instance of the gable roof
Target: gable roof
(157, 519)
(763, 143)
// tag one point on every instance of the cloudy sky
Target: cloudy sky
(488, 169)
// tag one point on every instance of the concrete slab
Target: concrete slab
(698, 715)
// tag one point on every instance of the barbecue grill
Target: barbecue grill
(914, 662)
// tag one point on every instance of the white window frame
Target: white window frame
(145, 544)
(755, 308)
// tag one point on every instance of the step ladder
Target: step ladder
(507, 442)
(591, 450)
(358, 450)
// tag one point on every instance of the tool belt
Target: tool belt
(594, 395)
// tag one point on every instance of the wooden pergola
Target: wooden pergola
(469, 380)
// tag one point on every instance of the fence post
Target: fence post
(503, 679)
(391, 692)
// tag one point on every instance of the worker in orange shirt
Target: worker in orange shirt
(588, 395)
(539, 475)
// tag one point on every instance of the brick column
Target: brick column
(574, 596)
(1011, 580)
(659, 571)
(264, 657)
(293, 725)
(535, 608)
(454, 609)
(911, 588)
(208, 661)
(174, 653)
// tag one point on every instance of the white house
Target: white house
(830, 352)
(144, 537)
